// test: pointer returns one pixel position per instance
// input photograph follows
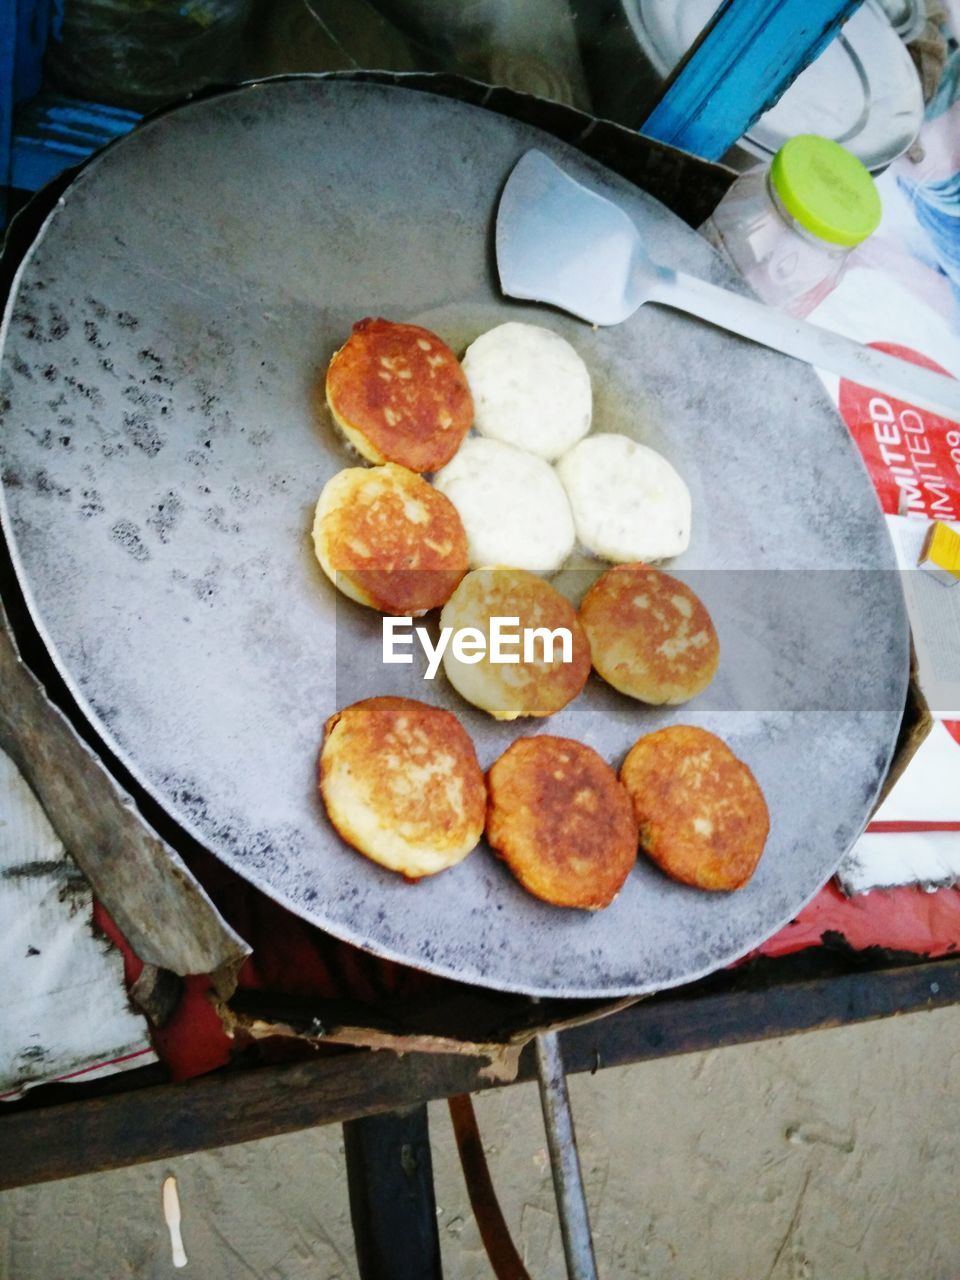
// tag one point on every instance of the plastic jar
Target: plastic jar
(789, 229)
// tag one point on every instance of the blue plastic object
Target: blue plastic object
(53, 132)
(745, 58)
(33, 19)
(42, 133)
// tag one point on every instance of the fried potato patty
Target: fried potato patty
(388, 540)
(398, 394)
(536, 683)
(512, 505)
(650, 636)
(628, 502)
(561, 821)
(530, 388)
(401, 783)
(702, 816)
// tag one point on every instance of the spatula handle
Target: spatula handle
(804, 341)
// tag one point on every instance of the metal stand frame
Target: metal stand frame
(392, 1205)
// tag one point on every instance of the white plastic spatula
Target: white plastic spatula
(557, 242)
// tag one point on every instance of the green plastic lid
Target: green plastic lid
(826, 189)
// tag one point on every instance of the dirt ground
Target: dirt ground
(829, 1156)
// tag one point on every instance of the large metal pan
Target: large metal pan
(162, 456)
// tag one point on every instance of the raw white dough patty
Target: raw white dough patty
(512, 505)
(628, 502)
(529, 388)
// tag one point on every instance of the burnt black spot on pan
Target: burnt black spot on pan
(150, 359)
(58, 326)
(29, 322)
(91, 394)
(253, 846)
(107, 713)
(43, 438)
(207, 405)
(872, 784)
(165, 516)
(92, 504)
(142, 434)
(216, 518)
(242, 497)
(145, 398)
(48, 488)
(91, 332)
(127, 535)
(206, 588)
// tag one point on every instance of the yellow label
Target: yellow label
(942, 548)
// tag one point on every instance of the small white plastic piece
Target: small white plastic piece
(171, 1212)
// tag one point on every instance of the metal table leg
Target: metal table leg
(392, 1205)
(564, 1160)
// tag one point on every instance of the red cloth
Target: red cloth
(192, 1041)
(902, 919)
(292, 957)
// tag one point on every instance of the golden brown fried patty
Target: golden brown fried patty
(650, 636)
(701, 813)
(398, 394)
(537, 687)
(387, 539)
(401, 783)
(561, 821)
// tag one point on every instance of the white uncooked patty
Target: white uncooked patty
(513, 507)
(628, 502)
(529, 388)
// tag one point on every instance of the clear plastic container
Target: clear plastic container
(790, 228)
